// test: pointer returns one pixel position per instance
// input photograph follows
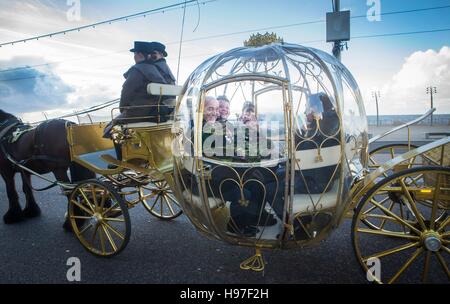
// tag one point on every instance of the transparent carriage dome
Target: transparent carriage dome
(268, 142)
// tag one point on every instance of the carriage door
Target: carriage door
(243, 151)
(317, 158)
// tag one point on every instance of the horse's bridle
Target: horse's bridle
(7, 125)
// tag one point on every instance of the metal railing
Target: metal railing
(406, 125)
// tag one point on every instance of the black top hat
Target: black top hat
(142, 47)
(148, 47)
(157, 46)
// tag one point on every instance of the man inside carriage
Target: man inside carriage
(243, 140)
(322, 129)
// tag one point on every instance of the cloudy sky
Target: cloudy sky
(80, 69)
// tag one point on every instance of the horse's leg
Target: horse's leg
(61, 176)
(31, 208)
(14, 213)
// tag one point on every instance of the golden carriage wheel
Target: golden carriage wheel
(99, 218)
(158, 198)
(409, 249)
(380, 155)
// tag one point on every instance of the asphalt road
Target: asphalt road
(36, 251)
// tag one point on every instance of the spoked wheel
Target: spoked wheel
(406, 249)
(99, 218)
(385, 153)
(378, 157)
(395, 200)
(164, 205)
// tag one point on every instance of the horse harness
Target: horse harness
(6, 136)
(7, 126)
(10, 132)
(39, 152)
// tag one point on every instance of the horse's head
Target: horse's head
(4, 116)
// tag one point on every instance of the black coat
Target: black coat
(134, 89)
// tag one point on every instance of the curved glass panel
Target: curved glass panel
(270, 140)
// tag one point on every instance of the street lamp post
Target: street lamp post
(376, 95)
(431, 90)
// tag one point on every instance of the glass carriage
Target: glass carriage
(275, 168)
(268, 148)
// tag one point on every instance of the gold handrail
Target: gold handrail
(406, 125)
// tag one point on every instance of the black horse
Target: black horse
(43, 149)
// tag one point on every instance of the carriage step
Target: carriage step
(151, 172)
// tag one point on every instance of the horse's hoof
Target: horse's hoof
(13, 216)
(30, 212)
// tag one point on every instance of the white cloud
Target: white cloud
(99, 77)
(69, 83)
(92, 61)
(405, 92)
(24, 90)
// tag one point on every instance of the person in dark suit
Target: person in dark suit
(246, 208)
(150, 67)
(136, 105)
(248, 213)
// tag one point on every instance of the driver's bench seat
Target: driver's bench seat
(151, 141)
